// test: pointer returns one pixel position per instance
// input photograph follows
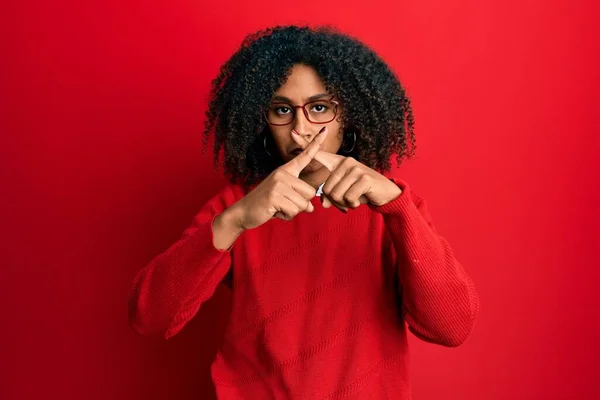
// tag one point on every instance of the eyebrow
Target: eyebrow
(311, 98)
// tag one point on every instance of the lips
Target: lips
(296, 151)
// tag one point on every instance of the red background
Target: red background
(101, 118)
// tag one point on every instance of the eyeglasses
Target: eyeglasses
(316, 112)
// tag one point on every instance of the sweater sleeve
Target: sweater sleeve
(169, 291)
(439, 300)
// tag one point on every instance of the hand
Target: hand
(282, 194)
(351, 183)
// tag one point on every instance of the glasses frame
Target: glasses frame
(331, 100)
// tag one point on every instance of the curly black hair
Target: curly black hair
(375, 105)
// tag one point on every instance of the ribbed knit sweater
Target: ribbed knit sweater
(320, 304)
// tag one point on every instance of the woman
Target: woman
(328, 254)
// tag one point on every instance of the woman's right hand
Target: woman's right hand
(282, 194)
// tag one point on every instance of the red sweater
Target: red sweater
(320, 303)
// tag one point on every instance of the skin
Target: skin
(302, 84)
(289, 189)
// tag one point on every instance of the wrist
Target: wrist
(391, 193)
(232, 217)
(395, 192)
(225, 230)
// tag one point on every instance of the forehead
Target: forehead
(302, 83)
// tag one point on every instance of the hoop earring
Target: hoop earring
(353, 144)
(265, 146)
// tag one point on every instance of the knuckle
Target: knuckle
(273, 194)
(351, 202)
(278, 174)
(336, 196)
(276, 186)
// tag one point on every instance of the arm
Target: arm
(439, 300)
(168, 292)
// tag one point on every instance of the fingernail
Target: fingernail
(322, 129)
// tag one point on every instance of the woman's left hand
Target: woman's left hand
(352, 183)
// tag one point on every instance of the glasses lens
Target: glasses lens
(320, 111)
(280, 114)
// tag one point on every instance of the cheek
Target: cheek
(281, 137)
(334, 139)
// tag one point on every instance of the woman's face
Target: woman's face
(302, 86)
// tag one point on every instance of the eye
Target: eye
(320, 108)
(283, 110)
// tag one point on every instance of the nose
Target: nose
(302, 125)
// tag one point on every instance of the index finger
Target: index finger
(328, 160)
(295, 166)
